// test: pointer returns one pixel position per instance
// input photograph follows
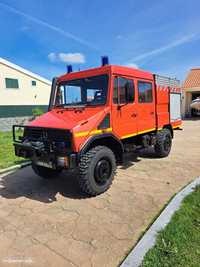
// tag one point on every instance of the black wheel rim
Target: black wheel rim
(167, 143)
(102, 171)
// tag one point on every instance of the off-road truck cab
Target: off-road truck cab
(95, 116)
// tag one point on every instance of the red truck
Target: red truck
(97, 115)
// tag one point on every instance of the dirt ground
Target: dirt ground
(49, 223)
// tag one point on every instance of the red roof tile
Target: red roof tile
(193, 79)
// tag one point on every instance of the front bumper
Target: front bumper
(51, 160)
(43, 152)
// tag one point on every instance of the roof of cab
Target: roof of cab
(113, 69)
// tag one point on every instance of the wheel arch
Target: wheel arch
(108, 140)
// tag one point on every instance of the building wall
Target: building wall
(21, 101)
(8, 111)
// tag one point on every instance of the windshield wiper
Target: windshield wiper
(70, 106)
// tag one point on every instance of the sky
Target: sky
(44, 36)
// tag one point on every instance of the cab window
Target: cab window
(88, 91)
(145, 92)
(123, 91)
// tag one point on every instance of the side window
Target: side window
(125, 91)
(12, 83)
(145, 92)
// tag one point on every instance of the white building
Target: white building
(20, 92)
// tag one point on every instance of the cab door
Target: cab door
(146, 106)
(124, 108)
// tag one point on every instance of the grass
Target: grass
(7, 155)
(178, 245)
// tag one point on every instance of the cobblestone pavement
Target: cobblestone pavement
(49, 223)
(7, 123)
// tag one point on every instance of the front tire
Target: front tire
(44, 172)
(163, 143)
(97, 169)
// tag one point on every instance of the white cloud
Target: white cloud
(52, 57)
(71, 57)
(132, 65)
(67, 57)
(185, 39)
(49, 26)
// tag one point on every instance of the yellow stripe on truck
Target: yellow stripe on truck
(137, 133)
(107, 130)
(93, 132)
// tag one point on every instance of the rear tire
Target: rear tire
(44, 172)
(97, 169)
(163, 143)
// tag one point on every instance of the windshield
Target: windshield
(90, 91)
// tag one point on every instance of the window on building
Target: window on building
(123, 91)
(145, 92)
(12, 83)
(33, 83)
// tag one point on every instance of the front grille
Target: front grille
(34, 134)
(47, 135)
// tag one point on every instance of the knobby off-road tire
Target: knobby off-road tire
(96, 170)
(163, 143)
(44, 172)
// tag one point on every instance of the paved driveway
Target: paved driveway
(49, 223)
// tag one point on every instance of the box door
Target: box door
(146, 106)
(175, 107)
(124, 110)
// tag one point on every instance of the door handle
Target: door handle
(134, 115)
(152, 112)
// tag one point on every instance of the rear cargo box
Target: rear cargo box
(168, 94)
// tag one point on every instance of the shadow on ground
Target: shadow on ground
(130, 159)
(25, 183)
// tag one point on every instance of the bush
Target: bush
(37, 112)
